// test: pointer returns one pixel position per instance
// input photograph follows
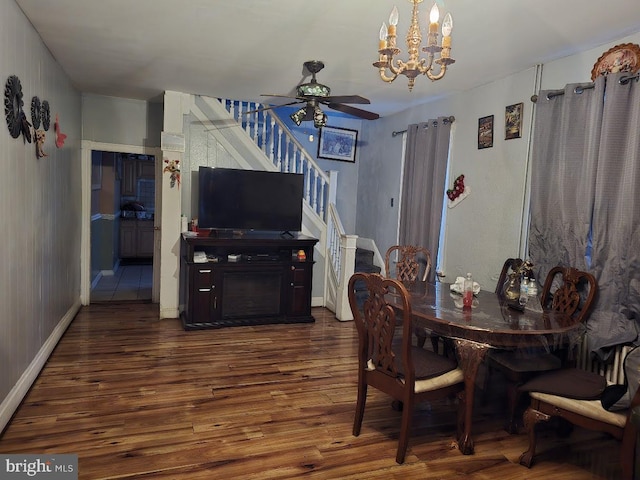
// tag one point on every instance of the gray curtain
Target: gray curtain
(584, 191)
(424, 176)
(564, 162)
(616, 218)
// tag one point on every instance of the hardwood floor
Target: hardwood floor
(138, 397)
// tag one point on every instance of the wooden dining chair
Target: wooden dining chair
(407, 373)
(565, 290)
(581, 398)
(413, 263)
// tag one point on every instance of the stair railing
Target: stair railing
(272, 136)
(341, 250)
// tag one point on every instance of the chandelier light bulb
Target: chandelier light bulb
(393, 18)
(447, 25)
(434, 15)
(383, 32)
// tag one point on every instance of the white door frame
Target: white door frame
(85, 255)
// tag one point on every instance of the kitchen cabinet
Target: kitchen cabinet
(136, 238)
(127, 238)
(129, 177)
(144, 240)
(132, 171)
(146, 169)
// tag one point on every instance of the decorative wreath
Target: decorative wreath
(13, 105)
(35, 112)
(45, 115)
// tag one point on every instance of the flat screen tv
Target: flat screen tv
(237, 199)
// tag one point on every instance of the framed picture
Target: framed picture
(338, 144)
(485, 132)
(513, 121)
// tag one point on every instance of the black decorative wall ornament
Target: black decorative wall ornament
(45, 115)
(13, 105)
(35, 112)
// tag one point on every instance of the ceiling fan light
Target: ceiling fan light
(319, 118)
(313, 90)
(298, 116)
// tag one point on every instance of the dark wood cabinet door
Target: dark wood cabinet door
(300, 290)
(203, 294)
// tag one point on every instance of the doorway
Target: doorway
(123, 226)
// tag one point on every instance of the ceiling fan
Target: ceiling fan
(314, 94)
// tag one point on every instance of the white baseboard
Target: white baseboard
(96, 280)
(12, 401)
(169, 312)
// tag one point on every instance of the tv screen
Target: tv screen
(249, 200)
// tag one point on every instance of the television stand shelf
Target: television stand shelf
(268, 281)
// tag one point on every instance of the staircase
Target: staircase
(258, 139)
(364, 263)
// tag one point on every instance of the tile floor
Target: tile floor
(130, 282)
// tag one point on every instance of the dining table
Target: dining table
(492, 321)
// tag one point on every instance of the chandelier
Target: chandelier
(390, 66)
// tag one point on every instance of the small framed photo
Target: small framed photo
(338, 144)
(485, 132)
(513, 121)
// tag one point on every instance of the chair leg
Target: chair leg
(362, 398)
(435, 344)
(421, 337)
(405, 427)
(531, 418)
(513, 398)
(628, 458)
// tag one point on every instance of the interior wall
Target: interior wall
(40, 214)
(486, 227)
(122, 121)
(347, 188)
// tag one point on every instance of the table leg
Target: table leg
(470, 355)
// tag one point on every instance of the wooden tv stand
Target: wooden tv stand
(265, 282)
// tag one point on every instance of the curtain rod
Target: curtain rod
(556, 93)
(445, 120)
(581, 88)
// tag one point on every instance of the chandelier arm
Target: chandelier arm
(425, 64)
(386, 78)
(430, 76)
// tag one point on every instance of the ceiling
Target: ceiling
(243, 48)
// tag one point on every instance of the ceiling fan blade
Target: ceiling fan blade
(356, 112)
(262, 109)
(277, 95)
(347, 99)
